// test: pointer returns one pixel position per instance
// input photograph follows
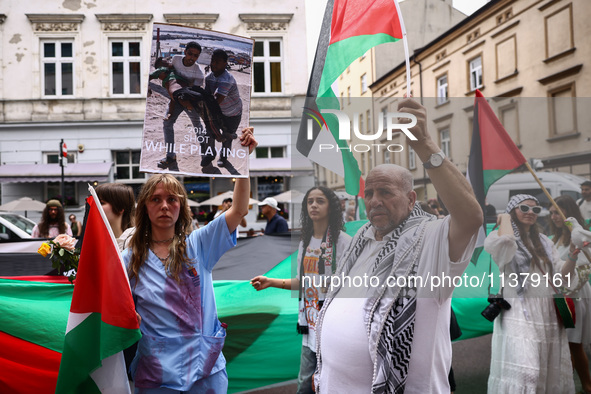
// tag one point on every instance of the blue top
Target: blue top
(276, 225)
(182, 337)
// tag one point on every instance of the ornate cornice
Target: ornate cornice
(201, 21)
(55, 22)
(269, 22)
(124, 22)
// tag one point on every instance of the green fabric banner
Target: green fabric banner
(262, 346)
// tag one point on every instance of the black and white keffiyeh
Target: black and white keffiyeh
(521, 262)
(392, 315)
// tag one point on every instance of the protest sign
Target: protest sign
(198, 102)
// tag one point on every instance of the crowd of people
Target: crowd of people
(389, 339)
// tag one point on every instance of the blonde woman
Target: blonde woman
(170, 270)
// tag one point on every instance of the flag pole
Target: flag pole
(531, 170)
(405, 42)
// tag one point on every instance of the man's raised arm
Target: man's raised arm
(452, 187)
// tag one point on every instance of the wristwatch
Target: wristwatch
(435, 160)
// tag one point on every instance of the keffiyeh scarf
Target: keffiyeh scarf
(391, 316)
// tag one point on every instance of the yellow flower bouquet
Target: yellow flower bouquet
(63, 255)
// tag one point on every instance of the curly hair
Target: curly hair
(569, 207)
(335, 216)
(531, 240)
(60, 220)
(141, 239)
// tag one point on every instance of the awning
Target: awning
(74, 172)
(280, 166)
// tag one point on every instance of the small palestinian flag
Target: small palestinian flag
(493, 154)
(349, 29)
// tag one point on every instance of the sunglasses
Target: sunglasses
(526, 208)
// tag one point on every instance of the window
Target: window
(509, 118)
(54, 191)
(53, 157)
(342, 100)
(563, 111)
(368, 119)
(265, 152)
(386, 156)
(445, 142)
(476, 73)
(442, 90)
(126, 71)
(384, 116)
(57, 59)
(363, 83)
(361, 124)
(267, 59)
(363, 163)
(127, 165)
(269, 186)
(348, 94)
(412, 158)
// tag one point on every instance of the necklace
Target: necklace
(163, 241)
(164, 260)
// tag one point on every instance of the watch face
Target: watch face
(436, 160)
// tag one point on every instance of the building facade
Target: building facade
(424, 21)
(78, 71)
(528, 58)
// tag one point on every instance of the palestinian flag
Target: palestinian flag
(102, 320)
(349, 29)
(493, 154)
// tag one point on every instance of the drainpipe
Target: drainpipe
(414, 59)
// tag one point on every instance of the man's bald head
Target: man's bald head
(398, 174)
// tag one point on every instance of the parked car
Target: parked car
(14, 227)
(18, 251)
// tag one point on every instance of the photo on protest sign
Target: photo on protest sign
(198, 102)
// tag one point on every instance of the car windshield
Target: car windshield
(21, 222)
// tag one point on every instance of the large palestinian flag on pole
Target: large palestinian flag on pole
(493, 154)
(102, 320)
(349, 29)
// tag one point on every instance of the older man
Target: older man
(390, 334)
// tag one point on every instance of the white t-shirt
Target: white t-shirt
(308, 307)
(315, 288)
(193, 74)
(431, 348)
(346, 363)
(585, 209)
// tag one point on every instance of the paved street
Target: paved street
(471, 360)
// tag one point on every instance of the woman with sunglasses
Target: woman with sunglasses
(581, 334)
(529, 345)
(322, 243)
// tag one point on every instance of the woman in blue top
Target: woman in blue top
(170, 276)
